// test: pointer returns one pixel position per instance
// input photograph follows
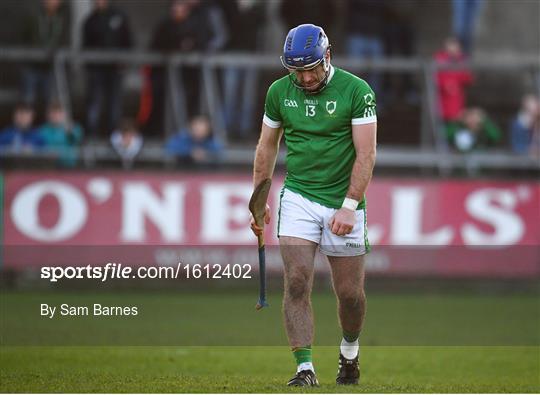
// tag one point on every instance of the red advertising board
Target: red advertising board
(495, 221)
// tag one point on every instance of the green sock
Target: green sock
(351, 337)
(302, 354)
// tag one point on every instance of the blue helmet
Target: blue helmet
(305, 48)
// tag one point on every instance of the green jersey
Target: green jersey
(318, 133)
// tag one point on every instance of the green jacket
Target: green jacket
(62, 141)
(489, 135)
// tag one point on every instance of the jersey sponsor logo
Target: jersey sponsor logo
(331, 106)
(290, 103)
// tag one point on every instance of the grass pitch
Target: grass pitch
(264, 369)
(502, 355)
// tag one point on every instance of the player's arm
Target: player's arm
(265, 162)
(365, 145)
(266, 154)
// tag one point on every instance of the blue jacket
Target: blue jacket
(520, 137)
(15, 139)
(182, 145)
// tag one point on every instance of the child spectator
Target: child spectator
(196, 145)
(61, 136)
(451, 84)
(474, 131)
(127, 142)
(21, 136)
(525, 125)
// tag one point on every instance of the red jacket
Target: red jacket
(451, 87)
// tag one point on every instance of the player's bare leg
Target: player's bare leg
(298, 256)
(348, 282)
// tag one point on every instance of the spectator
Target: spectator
(451, 83)
(127, 142)
(61, 135)
(364, 29)
(399, 41)
(106, 28)
(525, 125)
(213, 13)
(464, 18)
(190, 27)
(196, 145)
(534, 152)
(45, 29)
(317, 12)
(244, 20)
(21, 136)
(474, 131)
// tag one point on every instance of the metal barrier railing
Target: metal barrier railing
(434, 148)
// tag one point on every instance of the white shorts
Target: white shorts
(305, 219)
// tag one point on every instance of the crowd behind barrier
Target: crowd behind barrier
(202, 80)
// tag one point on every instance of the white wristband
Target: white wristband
(351, 204)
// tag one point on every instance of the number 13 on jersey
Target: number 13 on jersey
(310, 110)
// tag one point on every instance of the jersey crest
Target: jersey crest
(331, 106)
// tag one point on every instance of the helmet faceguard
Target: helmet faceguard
(306, 47)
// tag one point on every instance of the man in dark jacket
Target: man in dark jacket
(318, 12)
(106, 28)
(245, 22)
(364, 29)
(46, 29)
(191, 26)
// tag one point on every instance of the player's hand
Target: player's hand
(254, 227)
(342, 222)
